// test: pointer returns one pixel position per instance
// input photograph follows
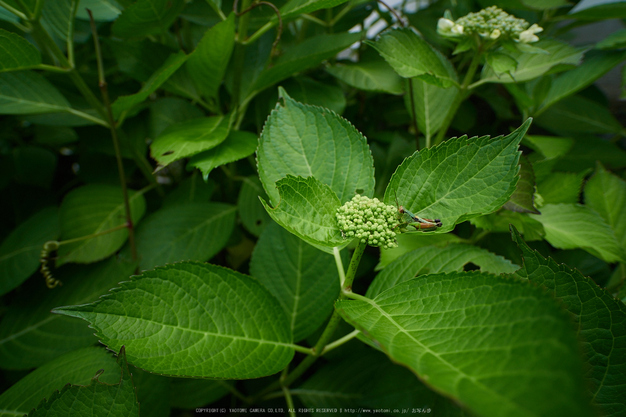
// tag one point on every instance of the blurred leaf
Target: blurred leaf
(76, 367)
(411, 56)
(194, 232)
(429, 100)
(27, 92)
(600, 321)
(303, 279)
(370, 381)
(93, 209)
(254, 338)
(522, 199)
(598, 10)
(96, 399)
(561, 187)
(147, 17)
(188, 138)
(238, 144)
(307, 208)
(577, 114)
(571, 226)
(169, 110)
(102, 10)
(16, 52)
(606, 194)
(303, 140)
(616, 40)
(31, 336)
(58, 17)
(299, 7)
(34, 165)
(155, 81)
(138, 59)
(251, 211)
(531, 66)
(305, 55)
(368, 76)
(548, 146)
(189, 393)
(433, 259)
(207, 64)
(582, 76)
(20, 251)
(586, 150)
(500, 221)
(308, 91)
(502, 356)
(411, 241)
(458, 179)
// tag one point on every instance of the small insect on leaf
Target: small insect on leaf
(407, 218)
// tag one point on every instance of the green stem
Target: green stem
(414, 117)
(339, 263)
(286, 393)
(93, 235)
(116, 144)
(320, 347)
(341, 341)
(314, 20)
(260, 32)
(240, 51)
(13, 10)
(462, 95)
(48, 43)
(341, 14)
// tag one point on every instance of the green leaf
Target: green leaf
(237, 145)
(189, 138)
(194, 232)
(582, 76)
(429, 100)
(251, 211)
(147, 17)
(310, 53)
(598, 10)
(242, 332)
(169, 110)
(606, 194)
(303, 279)
(308, 91)
(20, 251)
(501, 63)
(576, 115)
(616, 40)
(500, 221)
(102, 10)
(411, 56)
(371, 381)
(207, 64)
(548, 146)
(571, 226)
(368, 76)
(458, 179)
(31, 336)
(601, 322)
(76, 367)
(93, 209)
(189, 393)
(303, 140)
(307, 208)
(16, 52)
(433, 259)
(411, 241)
(161, 75)
(531, 66)
(96, 399)
(138, 59)
(561, 187)
(58, 17)
(522, 199)
(295, 8)
(495, 345)
(587, 150)
(27, 92)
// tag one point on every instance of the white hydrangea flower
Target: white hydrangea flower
(369, 220)
(528, 36)
(495, 34)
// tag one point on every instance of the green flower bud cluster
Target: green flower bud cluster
(492, 23)
(369, 220)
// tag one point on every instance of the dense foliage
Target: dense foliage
(310, 205)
